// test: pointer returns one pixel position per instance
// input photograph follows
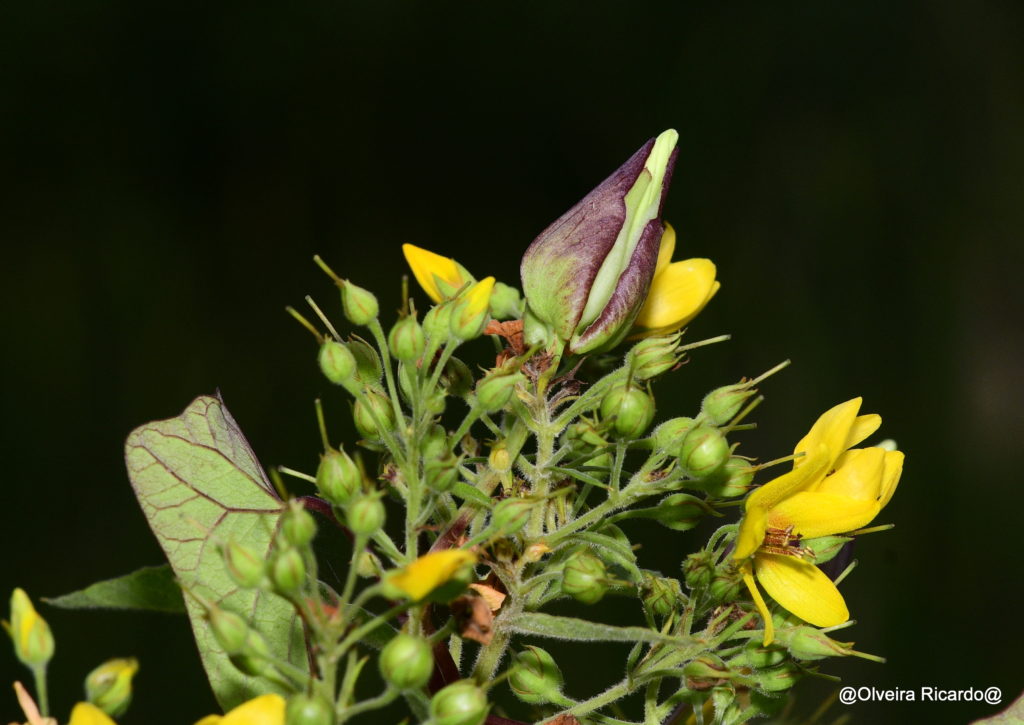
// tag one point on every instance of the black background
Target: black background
(854, 169)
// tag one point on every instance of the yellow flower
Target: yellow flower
(33, 641)
(440, 277)
(85, 713)
(678, 291)
(831, 489)
(262, 710)
(430, 571)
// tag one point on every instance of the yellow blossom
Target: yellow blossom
(85, 713)
(440, 277)
(678, 292)
(430, 571)
(262, 710)
(833, 488)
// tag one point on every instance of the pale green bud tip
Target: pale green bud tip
(338, 477)
(722, 404)
(653, 356)
(337, 363)
(406, 662)
(230, 630)
(505, 304)
(288, 571)
(359, 304)
(109, 686)
(584, 578)
(460, 703)
(808, 643)
(297, 525)
(373, 415)
(245, 566)
(698, 569)
(305, 709)
(703, 451)
(629, 409)
(704, 668)
(33, 640)
(495, 389)
(536, 678)
(669, 435)
(365, 515)
(407, 340)
(681, 511)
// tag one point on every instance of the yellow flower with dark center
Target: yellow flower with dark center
(440, 277)
(430, 571)
(833, 488)
(678, 292)
(262, 710)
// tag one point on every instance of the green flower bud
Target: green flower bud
(338, 364)
(706, 671)
(368, 565)
(254, 657)
(406, 339)
(535, 677)
(305, 709)
(495, 389)
(338, 477)
(779, 678)
(629, 409)
(698, 569)
(109, 686)
(808, 643)
(586, 433)
(457, 378)
(373, 413)
(669, 435)
(725, 587)
(434, 400)
(703, 451)
(722, 404)
(760, 657)
(359, 304)
(245, 566)
(733, 479)
(441, 473)
(584, 578)
(298, 526)
(434, 443)
(653, 356)
(661, 595)
(499, 459)
(512, 514)
(723, 698)
(825, 548)
(460, 703)
(505, 303)
(406, 662)
(230, 630)
(469, 315)
(33, 640)
(681, 511)
(365, 515)
(288, 571)
(437, 323)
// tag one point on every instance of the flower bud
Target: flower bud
(495, 389)
(359, 304)
(499, 459)
(338, 477)
(338, 364)
(33, 640)
(723, 699)
(779, 678)
(722, 404)
(760, 657)
(369, 368)
(431, 573)
(368, 565)
(681, 511)
(506, 304)
(535, 677)
(725, 587)
(440, 277)
(254, 657)
(808, 643)
(109, 686)
(825, 548)
(305, 709)
(584, 578)
(406, 662)
(460, 703)
(587, 275)
(456, 378)
(437, 323)
(669, 435)
(661, 595)
(703, 451)
(706, 671)
(245, 566)
(372, 413)
(441, 473)
(629, 409)
(470, 316)
(587, 433)
(298, 526)
(406, 340)
(698, 569)
(653, 356)
(288, 571)
(733, 479)
(365, 515)
(512, 514)
(228, 629)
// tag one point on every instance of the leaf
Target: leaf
(199, 484)
(1013, 715)
(471, 494)
(151, 588)
(582, 630)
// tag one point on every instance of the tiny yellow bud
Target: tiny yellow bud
(430, 571)
(33, 641)
(109, 686)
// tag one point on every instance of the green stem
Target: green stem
(358, 546)
(385, 356)
(39, 674)
(385, 698)
(613, 693)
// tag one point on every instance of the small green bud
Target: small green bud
(722, 404)
(365, 515)
(406, 339)
(629, 409)
(681, 511)
(723, 698)
(460, 703)
(368, 565)
(33, 640)
(779, 678)
(457, 378)
(298, 526)
(373, 413)
(512, 514)
(725, 586)
(706, 671)
(825, 548)
(698, 569)
(584, 578)
(437, 323)
(669, 435)
(228, 629)
(535, 677)
(288, 571)
(434, 443)
(733, 479)
(441, 473)
(359, 304)
(254, 657)
(505, 304)
(470, 315)
(338, 477)
(245, 566)
(305, 709)
(495, 389)
(499, 459)
(109, 686)
(406, 662)
(808, 643)
(587, 433)
(434, 400)
(759, 657)
(703, 451)
(338, 364)
(653, 356)
(661, 595)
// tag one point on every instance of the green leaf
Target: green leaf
(471, 494)
(199, 484)
(1013, 715)
(151, 588)
(582, 630)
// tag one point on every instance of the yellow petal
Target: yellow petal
(813, 514)
(262, 710)
(478, 297)
(890, 476)
(426, 265)
(762, 607)
(832, 429)
(666, 248)
(211, 720)
(768, 495)
(430, 571)
(677, 294)
(801, 588)
(751, 532)
(85, 713)
(858, 474)
(863, 426)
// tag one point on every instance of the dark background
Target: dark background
(854, 169)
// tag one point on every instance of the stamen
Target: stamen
(783, 542)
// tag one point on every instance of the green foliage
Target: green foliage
(151, 588)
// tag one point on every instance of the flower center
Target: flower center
(782, 541)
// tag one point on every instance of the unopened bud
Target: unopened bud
(368, 565)
(706, 671)
(495, 389)
(733, 479)
(629, 409)
(437, 323)
(288, 571)
(457, 378)
(703, 451)
(653, 356)
(337, 363)
(365, 515)
(303, 709)
(298, 526)
(779, 678)
(535, 677)
(373, 415)
(441, 473)
(406, 662)
(512, 514)
(460, 703)
(359, 304)
(722, 404)
(586, 432)
(669, 435)
(228, 629)
(681, 511)
(434, 443)
(698, 569)
(245, 566)
(33, 640)
(505, 304)
(661, 595)
(254, 657)
(406, 339)
(760, 657)
(584, 578)
(808, 643)
(499, 459)
(469, 316)
(725, 587)
(109, 686)
(338, 477)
